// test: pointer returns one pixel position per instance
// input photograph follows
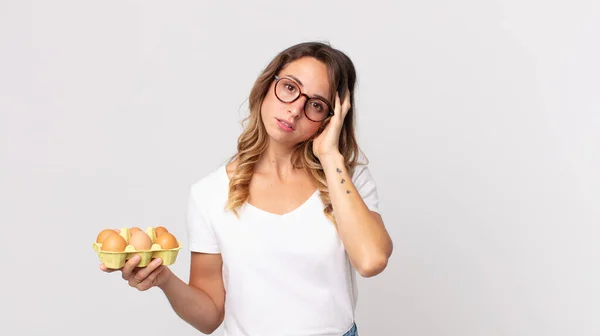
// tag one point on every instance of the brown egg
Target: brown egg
(160, 230)
(103, 234)
(140, 241)
(113, 243)
(167, 241)
(134, 230)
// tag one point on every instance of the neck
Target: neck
(277, 159)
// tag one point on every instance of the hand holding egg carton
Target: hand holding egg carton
(115, 246)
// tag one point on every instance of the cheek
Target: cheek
(265, 112)
(309, 128)
(268, 107)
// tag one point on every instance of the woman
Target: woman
(277, 233)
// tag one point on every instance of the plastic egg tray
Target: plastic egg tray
(116, 260)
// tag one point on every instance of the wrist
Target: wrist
(167, 279)
(329, 159)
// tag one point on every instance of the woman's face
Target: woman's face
(287, 123)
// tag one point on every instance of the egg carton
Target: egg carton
(116, 260)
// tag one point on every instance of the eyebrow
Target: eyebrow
(296, 79)
(302, 85)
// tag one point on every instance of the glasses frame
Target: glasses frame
(331, 113)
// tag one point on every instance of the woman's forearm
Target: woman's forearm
(192, 304)
(363, 233)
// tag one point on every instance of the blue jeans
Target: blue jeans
(352, 332)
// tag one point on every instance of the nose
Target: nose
(296, 108)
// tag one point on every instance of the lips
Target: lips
(285, 123)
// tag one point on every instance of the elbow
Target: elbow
(208, 330)
(376, 262)
(372, 266)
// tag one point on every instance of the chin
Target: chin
(286, 139)
(283, 139)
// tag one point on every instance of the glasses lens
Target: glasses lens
(287, 90)
(316, 109)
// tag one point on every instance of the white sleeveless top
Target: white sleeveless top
(283, 274)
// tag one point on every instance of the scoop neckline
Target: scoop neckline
(272, 214)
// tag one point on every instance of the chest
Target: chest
(299, 240)
(279, 198)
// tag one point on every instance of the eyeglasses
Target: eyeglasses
(288, 91)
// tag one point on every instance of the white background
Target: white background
(481, 120)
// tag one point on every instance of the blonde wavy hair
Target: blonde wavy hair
(253, 140)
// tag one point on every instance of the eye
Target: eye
(317, 106)
(290, 87)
